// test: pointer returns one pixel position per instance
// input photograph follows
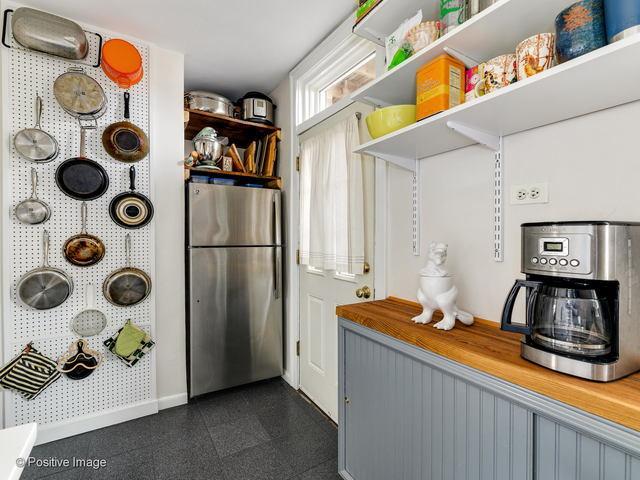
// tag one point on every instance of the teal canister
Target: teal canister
(622, 18)
(580, 29)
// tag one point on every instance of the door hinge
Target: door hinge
(297, 257)
(298, 348)
(298, 163)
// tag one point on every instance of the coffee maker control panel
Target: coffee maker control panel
(545, 253)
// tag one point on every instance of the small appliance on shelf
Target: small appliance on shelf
(582, 299)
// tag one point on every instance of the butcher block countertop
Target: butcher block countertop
(484, 347)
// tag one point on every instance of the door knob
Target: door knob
(364, 292)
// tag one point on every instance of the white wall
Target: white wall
(282, 98)
(593, 170)
(167, 137)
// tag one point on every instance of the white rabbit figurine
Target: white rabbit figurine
(437, 291)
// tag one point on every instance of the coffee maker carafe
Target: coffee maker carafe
(582, 300)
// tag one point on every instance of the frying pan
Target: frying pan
(125, 141)
(45, 287)
(83, 250)
(131, 209)
(34, 144)
(33, 211)
(80, 361)
(81, 178)
(128, 286)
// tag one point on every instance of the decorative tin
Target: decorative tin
(535, 54)
(580, 29)
(622, 18)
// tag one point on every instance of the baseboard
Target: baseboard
(287, 377)
(171, 401)
(56, 431)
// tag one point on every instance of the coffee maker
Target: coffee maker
(582, 298)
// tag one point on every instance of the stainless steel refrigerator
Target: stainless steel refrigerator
(234, 286)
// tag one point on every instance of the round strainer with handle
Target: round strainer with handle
(90, 321)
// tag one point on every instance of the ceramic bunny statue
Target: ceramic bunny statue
(437, 291)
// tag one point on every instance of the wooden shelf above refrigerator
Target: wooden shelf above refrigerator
(240, 132)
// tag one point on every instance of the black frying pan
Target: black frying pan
(81, 178)
(125, 141)
(131, 209)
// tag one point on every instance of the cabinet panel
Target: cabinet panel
(564, 454)
(405, 420)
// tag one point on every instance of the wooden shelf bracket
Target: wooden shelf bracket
(494, 143)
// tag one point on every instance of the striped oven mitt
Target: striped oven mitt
(29, 374)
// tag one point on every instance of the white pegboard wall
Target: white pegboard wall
(113, 385)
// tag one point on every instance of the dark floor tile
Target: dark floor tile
(329, 427)
(263, 462)
(309, 407)
(325, 471)
(177, 424)
(133, 465)
(71, 474)
(123, 437)
(192, 458)
(237, 435)
(66, 448)
(223, 407)
(266, 394)
(305, 450)
(284, 419)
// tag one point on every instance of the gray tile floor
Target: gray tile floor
(261, 431)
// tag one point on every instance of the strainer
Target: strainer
(90, 321)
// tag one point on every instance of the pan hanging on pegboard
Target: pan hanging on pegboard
(113, 386)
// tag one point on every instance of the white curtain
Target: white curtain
(332, 200)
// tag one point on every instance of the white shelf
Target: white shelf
(385, 17)
(601, 79)
(492, 32)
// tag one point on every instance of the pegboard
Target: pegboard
(113, 385)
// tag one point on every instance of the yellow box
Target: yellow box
(439, 86)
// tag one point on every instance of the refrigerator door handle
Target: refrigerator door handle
(277, 271)
(277, 228)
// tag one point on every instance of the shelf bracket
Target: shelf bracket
(468, 61)
(410, 164)
(376, 102)
(493, 143)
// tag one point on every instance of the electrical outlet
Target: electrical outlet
(530, 194)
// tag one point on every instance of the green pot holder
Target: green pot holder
(128, 340)
(130, 349)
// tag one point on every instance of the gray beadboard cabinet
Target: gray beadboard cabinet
(408, 414)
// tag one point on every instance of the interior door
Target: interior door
(321, 292)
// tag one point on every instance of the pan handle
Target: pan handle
(34, 183)
(132, 178)
(5, 22)
(39, 108)
(90, 293)
(45, 249)
(127, 248)
(83, 217)
(127, 115)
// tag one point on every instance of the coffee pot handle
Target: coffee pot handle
(507, 311)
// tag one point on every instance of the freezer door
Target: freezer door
(235, 317)
(221, 215)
